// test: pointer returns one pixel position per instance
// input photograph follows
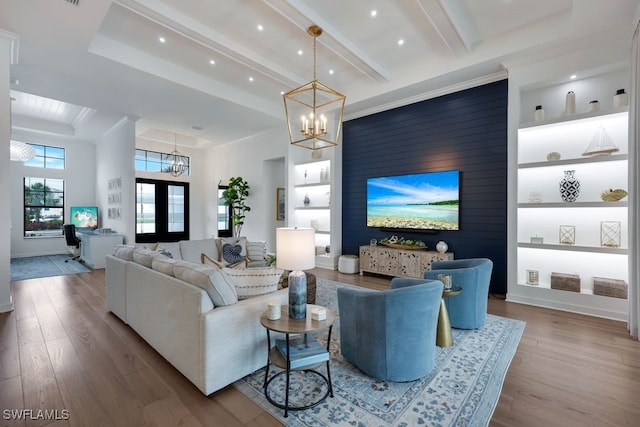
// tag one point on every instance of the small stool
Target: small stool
(348, 264)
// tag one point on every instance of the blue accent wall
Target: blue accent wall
(466, 130)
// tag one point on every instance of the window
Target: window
(162, 211)
(47, 157)
(153, 161)
(224, 215)
(43, 207)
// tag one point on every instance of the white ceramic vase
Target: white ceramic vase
(442, 247)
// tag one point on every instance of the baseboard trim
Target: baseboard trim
(569, 307)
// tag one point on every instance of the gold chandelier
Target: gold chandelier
(314, 110)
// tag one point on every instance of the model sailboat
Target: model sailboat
(601, 144)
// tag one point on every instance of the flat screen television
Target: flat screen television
(422, 201)
(84, 216)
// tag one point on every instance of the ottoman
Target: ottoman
(311, 285)
(348, 264)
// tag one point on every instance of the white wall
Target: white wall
(199, 195)
(258, 161)
(79, 190)
(115, 153)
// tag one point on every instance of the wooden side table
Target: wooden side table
(289, 327)
(444, 337)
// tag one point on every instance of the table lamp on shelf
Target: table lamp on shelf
(296, 251)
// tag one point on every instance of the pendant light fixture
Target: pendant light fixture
(178, 165)
(314, 110)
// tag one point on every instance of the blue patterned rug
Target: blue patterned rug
(462, 390)
(44, 266)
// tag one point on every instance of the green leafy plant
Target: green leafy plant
(235, 196)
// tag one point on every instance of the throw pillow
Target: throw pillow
(124, 252)
(169, 249)
(256, 254)
(163, 264)
(204, 277)
(251, 282)
(144, 256)
(233, 253)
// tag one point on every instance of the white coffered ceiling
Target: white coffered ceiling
(218, 78)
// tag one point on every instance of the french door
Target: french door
(162, 211)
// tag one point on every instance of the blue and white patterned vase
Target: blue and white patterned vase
(569, 187)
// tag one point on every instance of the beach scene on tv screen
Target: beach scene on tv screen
(427, 201)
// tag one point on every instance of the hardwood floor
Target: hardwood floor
(61, 350)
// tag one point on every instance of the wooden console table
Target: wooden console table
(398, 262)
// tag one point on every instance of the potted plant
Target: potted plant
(235, 196)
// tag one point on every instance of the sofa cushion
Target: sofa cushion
(256, 254)
(207, 278)
(191, 249)
(163, 264)
(144, 256)
(124, 252)
(232, 250)
(251, 282)
(170, 250)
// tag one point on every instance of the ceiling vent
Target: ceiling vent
(73, 2)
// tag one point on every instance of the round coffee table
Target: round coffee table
(289, 327)
(444, 337)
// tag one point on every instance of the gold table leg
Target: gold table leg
(444, 337)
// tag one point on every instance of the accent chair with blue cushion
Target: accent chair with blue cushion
(391, 335)
(469, 309)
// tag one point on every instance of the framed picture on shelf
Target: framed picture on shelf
(280, 204)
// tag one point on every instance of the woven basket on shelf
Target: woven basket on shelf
(613, 195)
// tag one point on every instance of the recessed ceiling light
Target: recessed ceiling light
(212, 62)
(374, 13)
(281, 92)
(400, 42)
(250, 79)
(161, 39)
(573, 77)
(300, 52)
(330, 71)
(260, 27)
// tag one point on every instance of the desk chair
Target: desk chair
(73, 243)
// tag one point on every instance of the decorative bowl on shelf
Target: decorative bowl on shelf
(611, 195)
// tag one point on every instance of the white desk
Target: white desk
(95, 247)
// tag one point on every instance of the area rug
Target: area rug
(462, 390)
(44, 266)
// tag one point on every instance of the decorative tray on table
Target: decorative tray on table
(398, 246)
(401, 243)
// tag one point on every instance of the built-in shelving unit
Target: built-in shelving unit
(541, 211)
(311, 201)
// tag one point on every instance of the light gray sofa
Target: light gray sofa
(212, 346)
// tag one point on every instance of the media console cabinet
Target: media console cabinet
(398, 262)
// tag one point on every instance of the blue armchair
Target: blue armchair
(391, 335)
(469, 309)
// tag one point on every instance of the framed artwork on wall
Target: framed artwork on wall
(280, 204)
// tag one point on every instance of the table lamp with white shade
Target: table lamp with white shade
(296, 251)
